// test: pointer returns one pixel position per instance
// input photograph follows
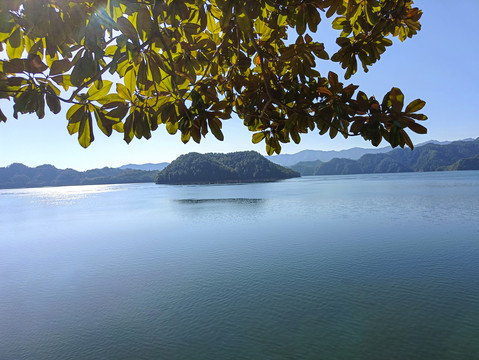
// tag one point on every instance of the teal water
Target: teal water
(347, 267)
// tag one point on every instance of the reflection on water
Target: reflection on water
(220, 201)
(60, 195)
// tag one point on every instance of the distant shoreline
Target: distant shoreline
(234, 182)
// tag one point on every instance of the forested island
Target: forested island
(245, 166)
(458, 155)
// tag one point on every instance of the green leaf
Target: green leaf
(85, 132)
(62, 80)
(295, 136)
(128, 128)
(127, 28)
(72, 110)
(25, 102)
(244, 22)
(15, 39)
(314, 18)
(185, 136)
(394, 136)
(258, 137)
(95, 93)
(14, 66)
(73, 128)
(118, 112)
(77, 75)
(215, 126)
(414, 106)
(53, 103)
(35, 65)
(40, 105)
(123, 92)
(130, 81)
(269, 149)
(171, 127)
(60, 67)
(417, 128)
(333, 130)
(301, 21)
(397, 99)
(407, 139)
(103, 123)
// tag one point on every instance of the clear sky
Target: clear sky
(439, 65)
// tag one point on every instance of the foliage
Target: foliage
(19, 175)
(243, 166)
(190, 64)
(458, 155)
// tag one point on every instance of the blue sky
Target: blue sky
(439, 65)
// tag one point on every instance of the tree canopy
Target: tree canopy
(132, 65)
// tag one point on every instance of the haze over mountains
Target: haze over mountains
(21, 176)
(305, 155)
(457, 155)
(146, 167)
(433, 156)
(324, 156)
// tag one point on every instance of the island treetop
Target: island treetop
(131, 66)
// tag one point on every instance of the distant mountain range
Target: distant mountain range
(432, 156)
(324, 156)
(243, 166)
(146, 167)
(457, 155)
(20, 176)
(305, 155)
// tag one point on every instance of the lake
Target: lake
(382, 266)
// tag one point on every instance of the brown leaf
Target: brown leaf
(35, 65)
(418, 129)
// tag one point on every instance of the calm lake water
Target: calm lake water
(337, 267)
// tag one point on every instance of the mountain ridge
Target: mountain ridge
(21, 176)
(146, 167)
(457, 155)
(326, 155)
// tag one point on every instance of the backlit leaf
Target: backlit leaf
(414, 106)
(127, 28)
(53, 103)
(95, 94)
(258, 137)
(417, 128)
(397, 99)
(60, 66)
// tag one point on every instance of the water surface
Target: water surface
(334, 267)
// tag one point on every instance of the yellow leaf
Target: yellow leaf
(73, 110)
(85, 134)
(73, 128)
(212, 25)
(258, 137)
(130, 80)
(123, 92)
(95, 94)
(414, 106)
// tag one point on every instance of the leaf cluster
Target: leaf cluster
(131, 66)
